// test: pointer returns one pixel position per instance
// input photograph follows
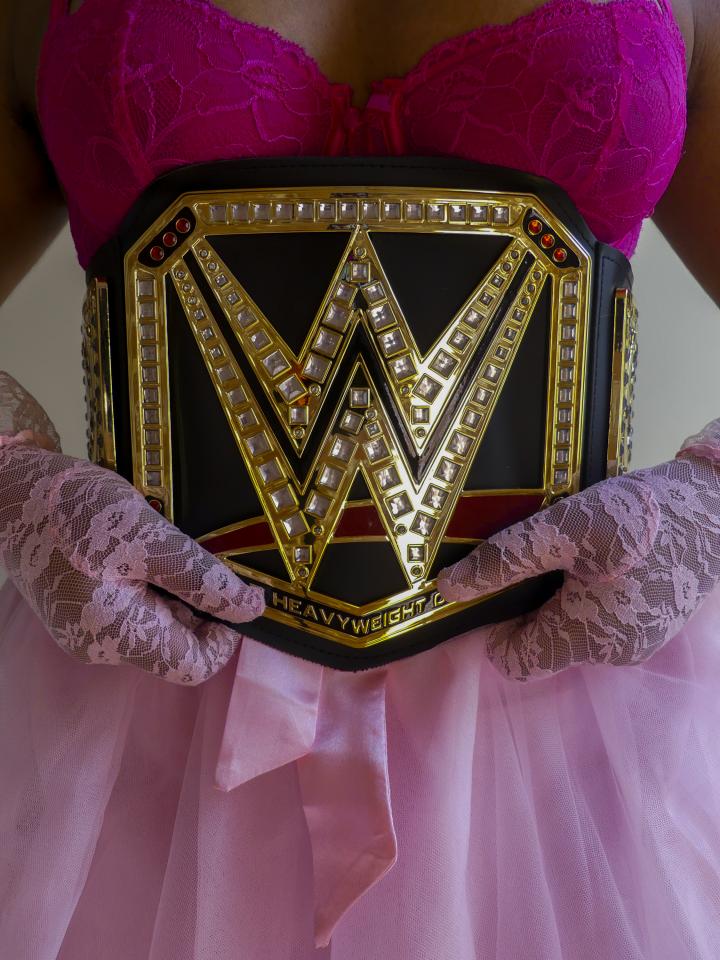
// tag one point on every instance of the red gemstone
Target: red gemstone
(560, 255)
(157, 253)
(535, 226)
(169, 239)
(182, 225)
(156, 504)
(547, 240)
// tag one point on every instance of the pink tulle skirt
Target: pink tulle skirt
(429, 810)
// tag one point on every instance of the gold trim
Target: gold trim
(98, 375)
(622, 394)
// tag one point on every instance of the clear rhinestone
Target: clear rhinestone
(563, 436)
(295, 524)
(305, 210)
(240, 211)
(497, 280)
(423, 524)
(472, 318)
(472, 418)
(344, 292)
(566, 374)
(443, 363)
(491, 372)
(283, 210)
(459, 444)
(153, 478)
(348, 209)
(282, 499)
(330, 477)
(372, 429)
(225, 372)
(570, 288)
(261, 211)
(563, 456)
(146, 288)
(370, 210)
(403, 367)
(152, 436)
(569, 310)
(151, 415)
(218, 212)
(392, 342)
(316, 367)
(413, 210)
(236, 396)
(352, 422)
(203, 253)
(518, 315)
(245, 317)
(148, 331)
(381, 316)
(260, 339)
(216, 352)
(482, 395)
(150, 374)
(147, 310)
(359, 271)
(152, 458)
(318, 505)
(270, 471)
(221, 279)
(302, 554)
(326, 210)
(447, 470)
(427, 388)
(420, 414)
(436, 212)
(291, 389)
(510, 333)
(459, 340)
(569, 331)
(391, 210)
(456, 212)
(561, 476)
(199, 314)
(151, 395)
(478, 213)
(299, 416)
(502, 353)
(275, 363)
(374, 292)
(567, 353)
(387, 478)
(486, 298)
(342, 449)
(435, 498)
(398, 505)
(257, 444)
(337, 317)
(565, 415)
(359, 397)
(376, 449)
(327, 342)
(501, 214)
(233, 298)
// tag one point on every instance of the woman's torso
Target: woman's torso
(589, 94)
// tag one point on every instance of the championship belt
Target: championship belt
(339, 375)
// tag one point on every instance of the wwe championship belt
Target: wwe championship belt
(340, 375)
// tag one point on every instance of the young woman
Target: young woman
(546, 788)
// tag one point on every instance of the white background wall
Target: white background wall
(679, 355)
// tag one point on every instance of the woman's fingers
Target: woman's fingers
(595, 535)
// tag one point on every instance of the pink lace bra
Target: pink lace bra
(590, 95)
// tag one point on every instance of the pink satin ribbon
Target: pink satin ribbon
(332, 722)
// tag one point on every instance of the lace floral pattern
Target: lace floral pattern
(640, 554)
(591, 95)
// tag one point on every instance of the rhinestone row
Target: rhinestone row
(566, 380)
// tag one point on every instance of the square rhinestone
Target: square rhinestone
(374, 292)
(435, 497)
(565, 415)
(283, 211)
(359, 397)
(295, 525)
(447, 470)
(359, 271)
(518, 315)
(473, 319)
(472, 418)
(216, 352)
(148, 331)
(152, 458)
(436, 212)
(151, 415)
(381, 316)
(563, 456)
(427, 388)
(275, 363)
(403, 367)
(443, 363)
(261, 211)
(570, 288)
(240, 211)
(398, 505)
(327, 342)
(486, 298)
(218, 212)
(344, 292)
(423, 524)
(221, 280)
(245, 317)
(291, 388)
(302, 554)
(459, 444)
(561, 476)
(257, 444)
(370, 210)
(233, 298)
(352, 422)
(566, 374)
(348, 209)
(149, 353)
(502, 353)
(318, 505)
(478, 213)
(152, 436)
(147, 310)
(510, 333)
(392, 342)
(492, 372)
(342, 449)
(259, 339)
(420, 414)
(146, 287)
(316, 367)
(330, 477)
(225, 372)
(207, 333)
(299, 416)
(567, 353)
(376, 449)
(569, 310)
(482, 396)
(372, 429)
(150, 374)
(247, 419)
(151, 395)
(282, 499)
(270, 471)
(456, 212)
(305, 209)
(569, 331)
(153, 478)
(459, 340)
(236, 396)
(326, 210)
(417, 552)
(563, 436)
(497, 280)
(387, 478)
(391, 210)
(337, 316)
(501, 215)
(199, 314)
(565, 394)
(413, 210)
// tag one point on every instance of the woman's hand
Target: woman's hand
(640, 553)
(86, 551)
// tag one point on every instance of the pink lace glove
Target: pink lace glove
(87, 552)
(640, 552)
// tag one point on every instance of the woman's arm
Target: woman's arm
(689, 212)
(32, 208)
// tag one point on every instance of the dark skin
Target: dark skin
(33, 208)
